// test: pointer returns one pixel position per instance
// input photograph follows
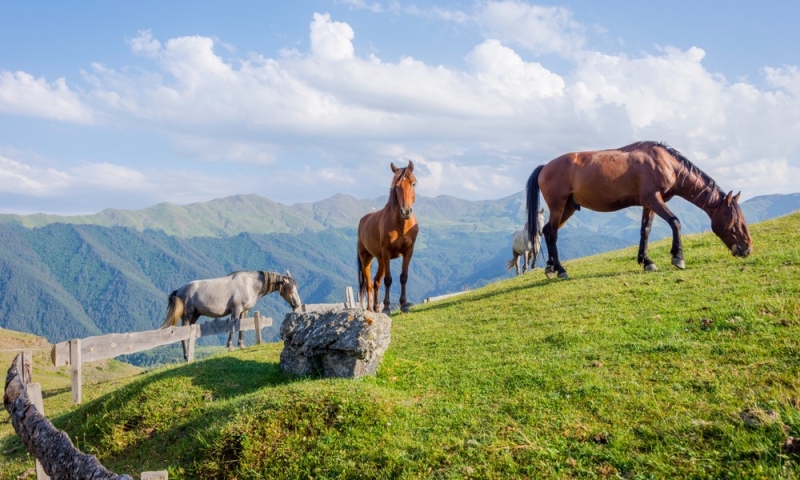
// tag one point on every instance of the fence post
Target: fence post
(349, 300)
(75, 359)
(26, 368)
(257, 319)
(35, 396)
(190, 347)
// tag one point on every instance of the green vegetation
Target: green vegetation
(615, 372)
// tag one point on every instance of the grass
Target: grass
(613, 373)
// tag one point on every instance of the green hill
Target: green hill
(614, 373)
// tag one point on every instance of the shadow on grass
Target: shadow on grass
(225, 377)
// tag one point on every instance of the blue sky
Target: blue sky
(128, 104)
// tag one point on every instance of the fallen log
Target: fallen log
(52, 447)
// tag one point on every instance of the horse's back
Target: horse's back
(215, 297)
(608, 180)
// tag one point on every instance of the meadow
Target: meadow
(615, 372)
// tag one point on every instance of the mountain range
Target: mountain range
(70, 277)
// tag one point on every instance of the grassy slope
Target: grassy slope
(614, 372)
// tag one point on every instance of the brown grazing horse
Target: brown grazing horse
(386, 234)
(647, 174)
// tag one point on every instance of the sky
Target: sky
(113, 104)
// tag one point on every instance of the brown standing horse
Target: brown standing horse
(647, 174)
(386, 234)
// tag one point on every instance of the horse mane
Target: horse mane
(271, 279)
(393, 201)
(690, 168)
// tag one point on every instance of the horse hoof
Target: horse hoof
(405, 308)
(563, 275)
(386, 311)
(678, 262)
(651, 268)
(549, 275)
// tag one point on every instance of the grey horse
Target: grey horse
(522, 246)
(234, 294)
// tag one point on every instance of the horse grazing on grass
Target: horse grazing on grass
(386, 234)
(234, 294)
(523, 247)
(647, 174)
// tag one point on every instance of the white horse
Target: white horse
(234, 294)
(523, 247)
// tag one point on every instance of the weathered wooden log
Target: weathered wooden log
(52, 447)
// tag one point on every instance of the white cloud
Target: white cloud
(325, 117)
(375, 7)
(502, 69)
(22, 94)
(20, 178)
(331, 41)
(535, 28)
(145, 44)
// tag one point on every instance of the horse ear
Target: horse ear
(736, 197)
(410, 166)
(394, 169)
(288, 274)
(729, 197)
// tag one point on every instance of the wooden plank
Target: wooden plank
(27, 367)
(75, 370)
(159, 475)
(349, 300)
(257, 324)
(35, 396)
(115, 344)
(190, 346)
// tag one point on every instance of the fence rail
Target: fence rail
(74, 353)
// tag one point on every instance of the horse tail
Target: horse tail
(362, 280)
(533, 208)
(174, 310)
(513, 262)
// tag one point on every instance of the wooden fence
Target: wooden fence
(74, 353)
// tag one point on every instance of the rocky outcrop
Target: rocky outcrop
(346, 343)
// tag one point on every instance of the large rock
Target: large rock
(346, 343)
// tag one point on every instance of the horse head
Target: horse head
(403, 187)
(727, 222)
(288, 290)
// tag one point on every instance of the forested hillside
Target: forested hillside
(65, 281)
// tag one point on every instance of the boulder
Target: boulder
(343, 343)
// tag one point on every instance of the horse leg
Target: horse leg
(387, 283)
(242, 316)
(550, 232)
(235, 314)
(404, 305)
(376, 285)
(647, 223)
(366, 271)
(516, 262)
(660, 208)
(185, 343)
(525, 256)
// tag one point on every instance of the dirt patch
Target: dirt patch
(9, 339)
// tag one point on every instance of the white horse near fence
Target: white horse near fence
(523, 247)
(234, 294)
